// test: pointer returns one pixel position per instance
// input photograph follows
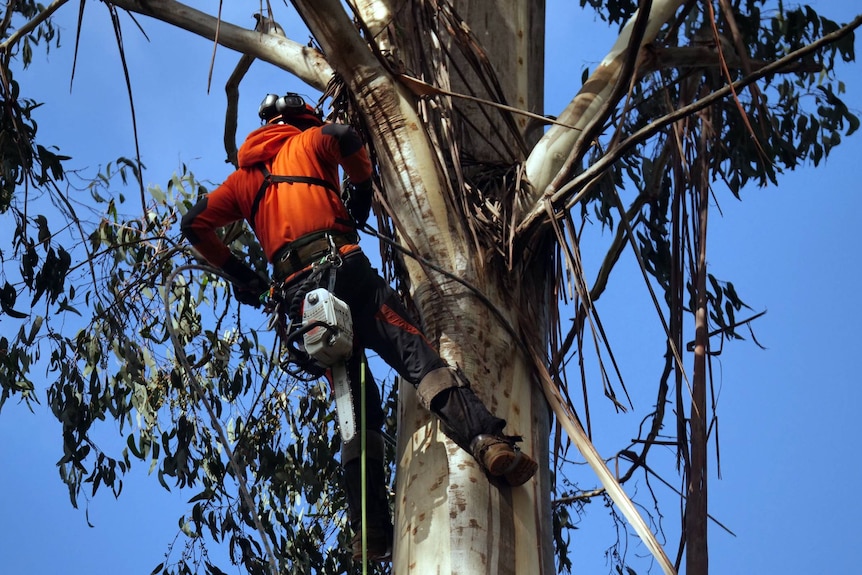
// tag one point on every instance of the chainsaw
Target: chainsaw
(327, 338)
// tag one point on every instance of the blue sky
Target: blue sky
(786, 413)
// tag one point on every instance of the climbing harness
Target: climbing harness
(271, 179)
(309, 249)
(323, 339)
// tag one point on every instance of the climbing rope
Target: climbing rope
(363, 462)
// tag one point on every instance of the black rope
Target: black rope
(426, 262)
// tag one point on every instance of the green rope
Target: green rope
(362, 466)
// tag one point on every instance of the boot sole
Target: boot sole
(514, 466)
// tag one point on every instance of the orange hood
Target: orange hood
(264, 143)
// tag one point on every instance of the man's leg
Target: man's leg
(383, 324)
(466, 421)
(378, 524)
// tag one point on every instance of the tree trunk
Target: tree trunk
(696, 503)
(449, 518)
(512, 35)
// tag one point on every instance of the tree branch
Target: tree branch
(624, 78)
(305, 63)
(661, 58)
(550, 154)
(30, 25)
(565, 198)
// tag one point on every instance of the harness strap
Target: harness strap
(269, 179)
(302, 252)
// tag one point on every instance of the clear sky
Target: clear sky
(787, 413)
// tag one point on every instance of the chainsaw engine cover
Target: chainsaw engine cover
(327, 346)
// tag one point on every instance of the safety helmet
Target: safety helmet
(289, 109)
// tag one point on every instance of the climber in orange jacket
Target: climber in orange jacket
(286, 188)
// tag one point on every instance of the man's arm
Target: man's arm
(349, 151)
(199, 225)
(352, 156)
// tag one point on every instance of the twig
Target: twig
(31, 25)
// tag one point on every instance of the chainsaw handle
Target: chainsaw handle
(292, 339)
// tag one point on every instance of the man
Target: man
(286, 188)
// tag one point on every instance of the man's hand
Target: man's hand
(250, 294)
(357, 200)
(248, 285)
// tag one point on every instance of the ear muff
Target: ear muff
(289, 108)
(291, 104)
(266, 111)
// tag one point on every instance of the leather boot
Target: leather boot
(500, 458)
(466, 421)
(463, 416)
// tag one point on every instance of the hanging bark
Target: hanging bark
(696, 503)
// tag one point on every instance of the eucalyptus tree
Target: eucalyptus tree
(482, 196)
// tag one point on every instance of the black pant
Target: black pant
(381, 323)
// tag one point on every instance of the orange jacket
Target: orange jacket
(287, 211)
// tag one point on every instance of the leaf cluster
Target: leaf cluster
(121, 397)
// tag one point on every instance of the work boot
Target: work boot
(500, 458)
(378, 541)
(463, 416)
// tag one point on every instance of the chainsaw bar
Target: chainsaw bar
(343, 402)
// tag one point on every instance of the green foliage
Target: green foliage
(562, 526)
(613, 11)
(119, 368)
(793, 118)
(22, 160)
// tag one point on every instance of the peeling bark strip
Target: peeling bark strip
(579, 437)
(550, 154)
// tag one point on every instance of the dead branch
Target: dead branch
(307, 64)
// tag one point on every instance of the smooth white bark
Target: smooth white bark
(449, 518)
(303, 62)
